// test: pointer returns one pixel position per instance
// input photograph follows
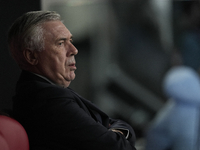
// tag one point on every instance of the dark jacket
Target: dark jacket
(58, 118)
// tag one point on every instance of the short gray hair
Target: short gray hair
(27, 33)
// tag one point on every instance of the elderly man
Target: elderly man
(54, 116)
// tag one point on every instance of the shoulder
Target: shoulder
(33, 87)
(42, 90)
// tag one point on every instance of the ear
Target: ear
(31, 56)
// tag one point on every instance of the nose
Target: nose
(73, 50)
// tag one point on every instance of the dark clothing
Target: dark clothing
(58, 118)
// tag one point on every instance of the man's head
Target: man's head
(40, 43)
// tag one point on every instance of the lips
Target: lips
(72, 66)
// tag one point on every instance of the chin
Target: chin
(72, 77)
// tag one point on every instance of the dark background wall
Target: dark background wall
(10, 10)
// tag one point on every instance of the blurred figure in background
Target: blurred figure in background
(176, 127)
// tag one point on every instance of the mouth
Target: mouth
(72, 66)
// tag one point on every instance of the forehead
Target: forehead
(56, 29)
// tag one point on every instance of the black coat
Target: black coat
(58, 118)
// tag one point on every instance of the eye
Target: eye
(71, 40)
(61, 43)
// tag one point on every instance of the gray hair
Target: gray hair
(27, 33)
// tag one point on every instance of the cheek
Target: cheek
(61, 56)
(58, 59)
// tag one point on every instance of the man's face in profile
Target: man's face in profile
(57, 61)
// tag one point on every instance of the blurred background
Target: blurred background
(125, 49)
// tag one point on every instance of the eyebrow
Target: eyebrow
(64, 39)
(60, 39)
